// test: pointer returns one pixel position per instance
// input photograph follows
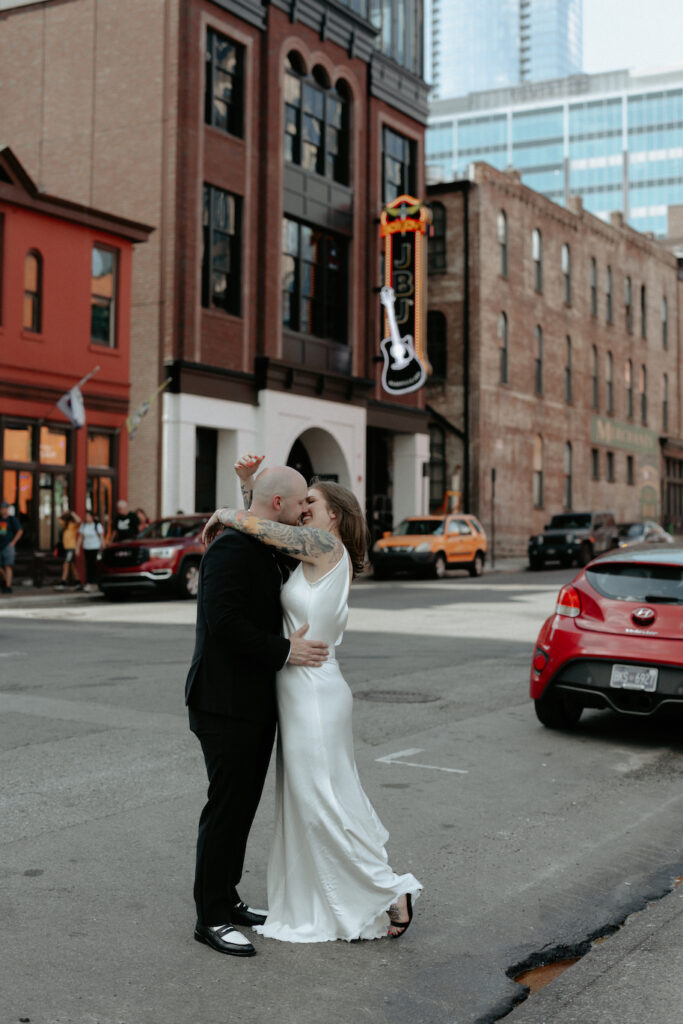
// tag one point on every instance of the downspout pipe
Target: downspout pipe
(466, 349)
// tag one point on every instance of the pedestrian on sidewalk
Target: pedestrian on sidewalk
(90, 538)
(10, 533)
(126, 524)
(69, 539)
(143, 519)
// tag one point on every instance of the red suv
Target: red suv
(166, 554)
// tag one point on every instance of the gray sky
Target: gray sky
(635, 34)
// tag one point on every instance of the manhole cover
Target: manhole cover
(396, 696)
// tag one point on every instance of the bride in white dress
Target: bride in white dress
(328, 876)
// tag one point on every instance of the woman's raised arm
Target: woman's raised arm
(306, 543)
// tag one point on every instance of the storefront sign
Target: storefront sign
(616, 434)
(403, 227)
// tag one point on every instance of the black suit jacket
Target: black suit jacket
(239, 646)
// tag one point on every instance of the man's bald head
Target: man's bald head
(279, 494)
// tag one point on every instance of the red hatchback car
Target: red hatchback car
(615, 640)
(166, 554)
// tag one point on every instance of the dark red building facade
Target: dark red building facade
(65, 284)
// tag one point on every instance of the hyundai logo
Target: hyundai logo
(643, 616)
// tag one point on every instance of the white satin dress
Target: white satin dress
(328, 876)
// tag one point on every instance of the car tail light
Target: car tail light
(540, 660)
(568, 602)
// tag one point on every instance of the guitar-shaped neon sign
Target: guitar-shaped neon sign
(402, 371)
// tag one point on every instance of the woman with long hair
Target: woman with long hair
(328, 876)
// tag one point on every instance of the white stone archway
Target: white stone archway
(326, 454)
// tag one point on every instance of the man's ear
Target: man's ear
(277, 502)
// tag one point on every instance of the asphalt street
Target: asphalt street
(529, 843)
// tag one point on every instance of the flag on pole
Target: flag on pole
(133, 421)
(71, 402)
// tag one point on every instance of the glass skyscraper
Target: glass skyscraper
(614, 139)
(490, 44)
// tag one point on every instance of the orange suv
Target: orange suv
(429, 545)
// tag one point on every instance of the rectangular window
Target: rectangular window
(205, 461)
(629, 469)
(595, 464)
(610, 467)
(2, 262)
(221, 256)
(313, 281)
(224, 86)
(398, 166)
(103, 296)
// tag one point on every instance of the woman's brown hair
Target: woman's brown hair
(350, 519)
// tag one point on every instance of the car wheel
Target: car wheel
(381, 574)
(557, 710)
(439, 567)
(114, 593)
(584, 556)
(188, 579)
(535, 564)
(477, 566)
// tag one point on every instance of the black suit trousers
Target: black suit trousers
(237, 754)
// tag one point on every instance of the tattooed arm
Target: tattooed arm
(306, 543)
(246, 468)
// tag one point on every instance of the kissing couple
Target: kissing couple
(254, 668)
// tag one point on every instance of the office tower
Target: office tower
(613, 138)
(495, 43)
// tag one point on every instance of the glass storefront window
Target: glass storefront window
(99, 450)
(53, 447)
(99, 500)
(18, 444)
(53, 501)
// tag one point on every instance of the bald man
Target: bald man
(230, 693)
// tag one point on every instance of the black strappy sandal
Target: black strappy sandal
(403, 925)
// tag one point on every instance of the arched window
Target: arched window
(628, 304)
(537, 256)
(594, 287)
(567, 496)
(436, 247)
(316, 121)
(503, 347)
(538, 362)
(609, 382)
(665, 322)
(643, 311)
(567, 273)
(665, 403)
(437, 466)
(502, 225)
(33, 292)
(594, 379)
(643, 394)
(609, 308)
(537, 479)
(568, 383)
(436, 344)
(628, 381)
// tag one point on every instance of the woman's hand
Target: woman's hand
(247, 465)
(213, 527)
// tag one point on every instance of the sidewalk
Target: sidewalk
(634, 977)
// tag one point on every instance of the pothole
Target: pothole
(396, 696)
(541, 969)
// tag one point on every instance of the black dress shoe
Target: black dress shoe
(242, 914)
(219, 939)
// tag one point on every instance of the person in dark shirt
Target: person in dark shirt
(10, 533)
(126, 524)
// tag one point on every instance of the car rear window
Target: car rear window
(420, 527)
(626, 581)
(173, 528)
(569, 521)
(631, 529)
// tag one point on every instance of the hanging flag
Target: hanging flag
(133, 421)
(71, 402)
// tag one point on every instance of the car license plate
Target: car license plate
(634, 677)
(550, 551)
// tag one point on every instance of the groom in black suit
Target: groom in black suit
(230, 692)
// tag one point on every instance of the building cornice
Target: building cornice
(333, 22)
(251, 11)
(398, 87)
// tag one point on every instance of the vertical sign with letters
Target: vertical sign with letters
(403, 230)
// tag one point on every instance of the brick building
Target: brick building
(262, 140)
(554, 340)
(65, 285)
